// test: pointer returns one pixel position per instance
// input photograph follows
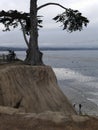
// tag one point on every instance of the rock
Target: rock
(31, 99)
(9, 110)
(32, 88)
(78, 118)
(47, 121)
(56, 117)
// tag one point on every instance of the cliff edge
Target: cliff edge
(32, 89)
(30, 99)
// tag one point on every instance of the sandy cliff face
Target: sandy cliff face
(33, 89)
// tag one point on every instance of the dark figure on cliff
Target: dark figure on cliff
(74, 105)
(11, 56)
(80, 106)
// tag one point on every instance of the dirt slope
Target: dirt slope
(47, 121)
(32, 89)
(30, 99)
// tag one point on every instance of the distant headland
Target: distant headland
(49, 48)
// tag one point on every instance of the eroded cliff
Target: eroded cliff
(30, 98)
(32, 89)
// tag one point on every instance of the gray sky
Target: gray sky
(52, 34)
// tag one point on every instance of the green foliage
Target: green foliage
(12, 19)
(72, 20)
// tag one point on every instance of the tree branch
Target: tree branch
(25, 38)
(51, 4)
(14, 14)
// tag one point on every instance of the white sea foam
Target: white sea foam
(93, 100)
(78, 78)
(93, 93)
(65, 73)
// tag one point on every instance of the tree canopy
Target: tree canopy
(71, 20)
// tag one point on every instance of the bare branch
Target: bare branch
(51, 4)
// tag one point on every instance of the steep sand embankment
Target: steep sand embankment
(32, 89)
(30, 99)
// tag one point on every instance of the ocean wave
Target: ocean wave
(66, 73)
(93, 100)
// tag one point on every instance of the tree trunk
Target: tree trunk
(34, 56)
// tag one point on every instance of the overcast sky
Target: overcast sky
(52, 34)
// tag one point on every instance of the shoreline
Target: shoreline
(78, 89)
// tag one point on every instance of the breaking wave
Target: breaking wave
(65, 73)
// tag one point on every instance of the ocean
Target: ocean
(77, 75)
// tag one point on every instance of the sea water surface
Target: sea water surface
(77, 74)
